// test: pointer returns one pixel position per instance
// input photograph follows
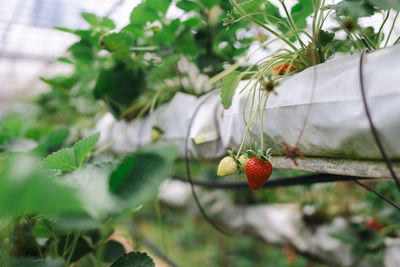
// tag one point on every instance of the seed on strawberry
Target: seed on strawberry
(227, 166)
(257, 172)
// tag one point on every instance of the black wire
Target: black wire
(189, 176)
(372, 125)
(278, 182)
(377, 140)
(378, 194)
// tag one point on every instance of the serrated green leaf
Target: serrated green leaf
(83, 147)
(91, 19)
(229, 85)
(386, 4)
(118, 41)
(187, 5)
(325, 37)
(71, 158)
(63, 160)
(136, 259)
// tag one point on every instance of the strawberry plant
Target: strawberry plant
(143, 65)
(61, 206)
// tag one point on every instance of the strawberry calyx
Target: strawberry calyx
(264, 156)
(235, 158)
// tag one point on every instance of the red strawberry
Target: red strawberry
(373, 225)
(282, 70)
(257, 172)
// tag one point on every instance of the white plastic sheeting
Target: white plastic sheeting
(337, 125)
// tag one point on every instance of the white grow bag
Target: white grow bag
(337, 125)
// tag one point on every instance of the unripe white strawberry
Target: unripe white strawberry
(155, 134)
(227, 166)
(243, 159)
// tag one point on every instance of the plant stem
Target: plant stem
(292, 25)
(391, 28)
(381, 27)
(73, 246)
(247, 128)
(65, 251)
(241, 11)
(262, 121)
(34, 238)
(160, 225)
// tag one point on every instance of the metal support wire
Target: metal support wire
(374, 131)
(190, 180)
(378, 142)
(278, 182)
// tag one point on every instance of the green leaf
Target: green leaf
(193, 22)
(300, 12)
(63, 160)
(385, 4)
(118, 41)
(108, 23)
(229, 85)
(91, 19)
(136, 259)
(139, 175)
(30, 192)
(187, 5)
(112, 251)
(142, 14)
(82, 51)
(353, 9)
(209, 3)
(41, 229)
(119, 86)
(159, 5)
(325, 37)
(53, 140)
(69, 159)
(63, 29)
(83, 147)
(136, 174)
(65, 60)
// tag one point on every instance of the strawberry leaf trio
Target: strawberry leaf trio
(256, 165)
